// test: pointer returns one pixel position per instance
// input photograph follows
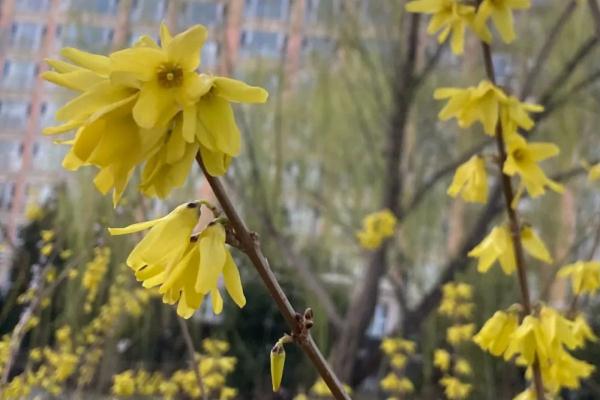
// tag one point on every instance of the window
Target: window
(7, 190)
(320, 11)
(26, 35)
(10, 157)
(267, 44)
(13, 115)
(204, 13)
(108, 7)
(147, 10)
(321, 46)
(90, 38)
(32, 5)
(267, 9)
(18, 74)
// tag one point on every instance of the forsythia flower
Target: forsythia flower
(455, 389)
(277, 364)
(320, 388)
(376, 227)
(147, 104)
(33, 212)
(186, 267)
(594, 172)
(394, 383)
(449, 16)
(470, 181)
(123, 384)
(460, 333)
(94, 274)
(585, 276)
(479, 103)
(500, 11)
(498, 246)
(488, 104)
(522, 159)
(462, 367)
(441, 359)
(495, 335)
(514, 115)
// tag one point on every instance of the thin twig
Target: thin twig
(194, 362)
(546, 49)
(251, 247)
(514, 223)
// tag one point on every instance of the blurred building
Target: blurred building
(278, 31)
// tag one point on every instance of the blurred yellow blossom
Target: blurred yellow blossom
(500, 11)
(376, 227)
(584, 275)
(470, 181)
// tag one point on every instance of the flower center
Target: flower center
(518, 155)
(170, 75)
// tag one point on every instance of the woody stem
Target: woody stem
(249, 245)
(513, 218)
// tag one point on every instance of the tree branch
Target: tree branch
(251, 248)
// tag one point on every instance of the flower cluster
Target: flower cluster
(584, 275)
(185, 267)
(452, 17)
(376, 227)
(51, 368)
(213, 366)
(495, 110)
(148, 105)
(94, 273)
(457, 306)
(398, 351)
(543, 338)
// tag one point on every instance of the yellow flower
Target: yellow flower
(593, 173)
(529, 341)
(522, 159)
(498, 246)
(449, 16)
(148, 104)
(514, 115)
(454, 388)
(527, 394)
(441, 359)
(170, 165)
(582, 331)
(94, 274)
(460, 333)
(500, 11)
(393, 383)
(481, 103)
(398, 361)
(376, 227)
(33, 212)
(47, 235)
(495, 335)
(124, 384)
(565, 371)
(165, 76)
(215, 347)
(228, 393)
(585, 276)
(320, 388)
(47, 249)
(470, 181)
(462, 367)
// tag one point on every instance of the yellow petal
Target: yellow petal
(212, 257)
(94, 62)
(189, 123)
(151, 104)
(140, 61)
(217, 117)
(217, 301)
(237, 91)
(184, 49)
(216, 162)
(233, 282)
(137, 227)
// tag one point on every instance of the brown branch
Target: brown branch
(194, 362)
(569, 68)
(546, 49)
(251, 248)
(595, 11)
